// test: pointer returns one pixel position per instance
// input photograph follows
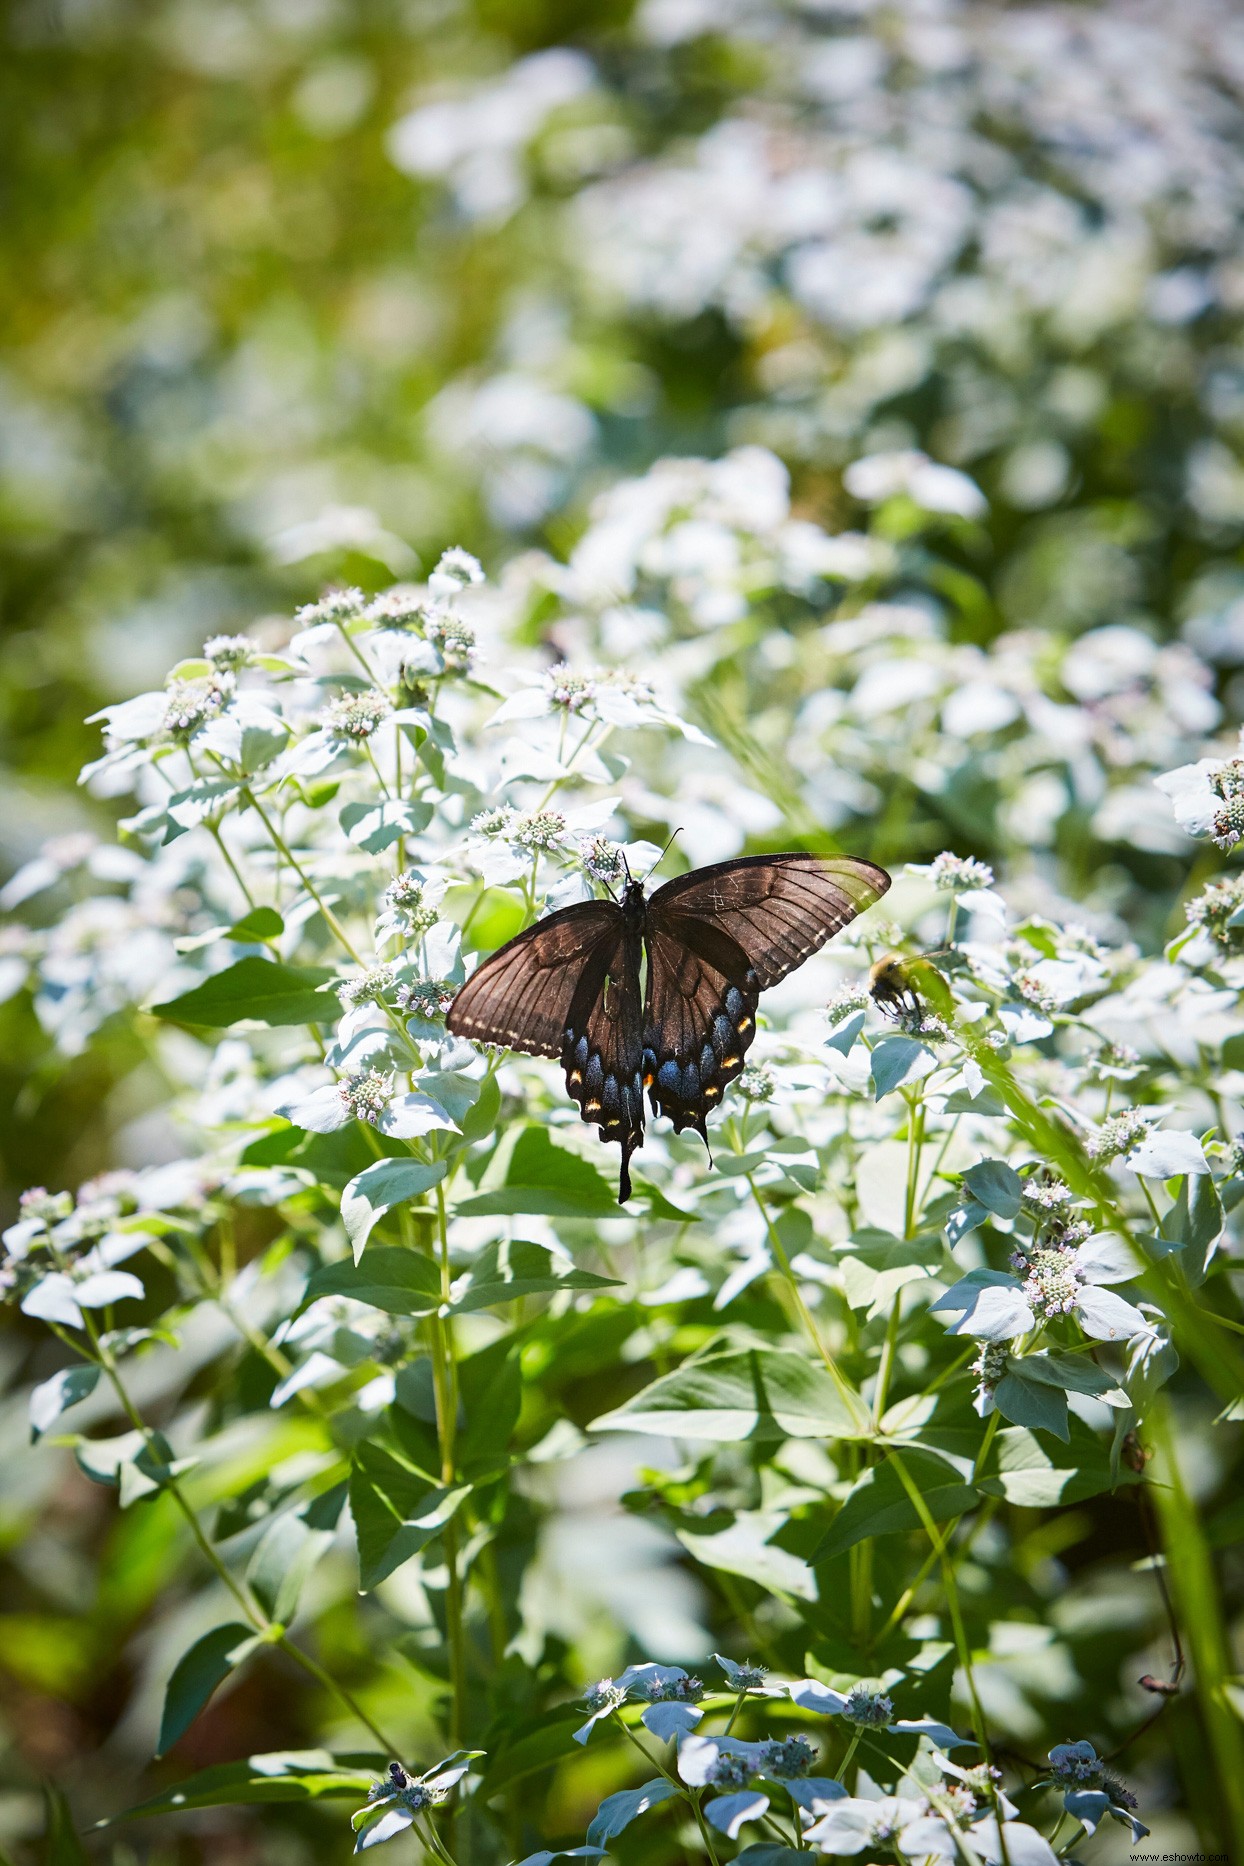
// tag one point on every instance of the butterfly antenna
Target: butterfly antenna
(665, 851)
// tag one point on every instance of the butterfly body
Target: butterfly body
(660, 993)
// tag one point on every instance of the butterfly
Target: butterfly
(661, 992)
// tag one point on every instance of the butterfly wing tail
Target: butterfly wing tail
(624, 1174)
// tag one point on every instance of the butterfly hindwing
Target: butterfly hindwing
(521, 996)
(699, 1018)
(779, 909)
(602, 1046)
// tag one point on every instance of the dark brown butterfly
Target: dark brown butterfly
(713, 940)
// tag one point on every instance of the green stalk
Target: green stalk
(915, 1145)
(234, 870)
(444, 1376)
(686, 1794)
(286, 853)
(952, 1594)
(847, 1393)
(1194, 1586)
(271, 1630)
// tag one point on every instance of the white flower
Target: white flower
(992, 1306)
(455, 572)
(899, 1821)
(369, 1095)
(868, 1709)
(877, 477)
(1208, 798)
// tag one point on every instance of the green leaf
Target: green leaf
(186, 809)
(377, 826)
(138, 1465)
(661, 1207)
(481, 1117)
(532, 1747)
(401, 1282)
(284, 1775)
(899, 1060)
(996, 1186)
(504, 1272)
(61, 1845)
(396, 1512)
(770, 1854)
(490, 1393)
(844, 1037)
(1031, 1403)
(1039, 1475)
(197, 1674)
(286, 1554)
(261, 990)
(745, 1548)
(546, 1179)
(374, 1191)
(878, 1503)
(1194, 1224)
(765, 1394)
(457, 1093)
(53, 1397)
(616, 1812)
(262, 923)
(1074, 1373)
(988, 1102)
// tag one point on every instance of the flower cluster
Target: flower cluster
(357, 716)
(1219, 909)
(1090, 1790)
(951, 873)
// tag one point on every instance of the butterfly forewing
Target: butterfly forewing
(779, 909)
(521, 996)
(699, 1018)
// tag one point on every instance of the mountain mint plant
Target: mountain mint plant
(428, 1430)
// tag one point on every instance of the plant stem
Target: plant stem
(272, 1631)
(1196, 1593)
(849, 1758)
(952, 1596)
(995, 1420)
(283, 849)
(915, 1146)
(686, 1794)
(432, 1840)
(232, 866)
(886, 1365)
(849, 1396)
(371, 759)
(358, 654)
(446, 1388)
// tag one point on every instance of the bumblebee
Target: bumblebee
(890, 986)
(899, 987)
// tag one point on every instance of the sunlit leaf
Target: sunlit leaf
(261, 991)
(766, 1394)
